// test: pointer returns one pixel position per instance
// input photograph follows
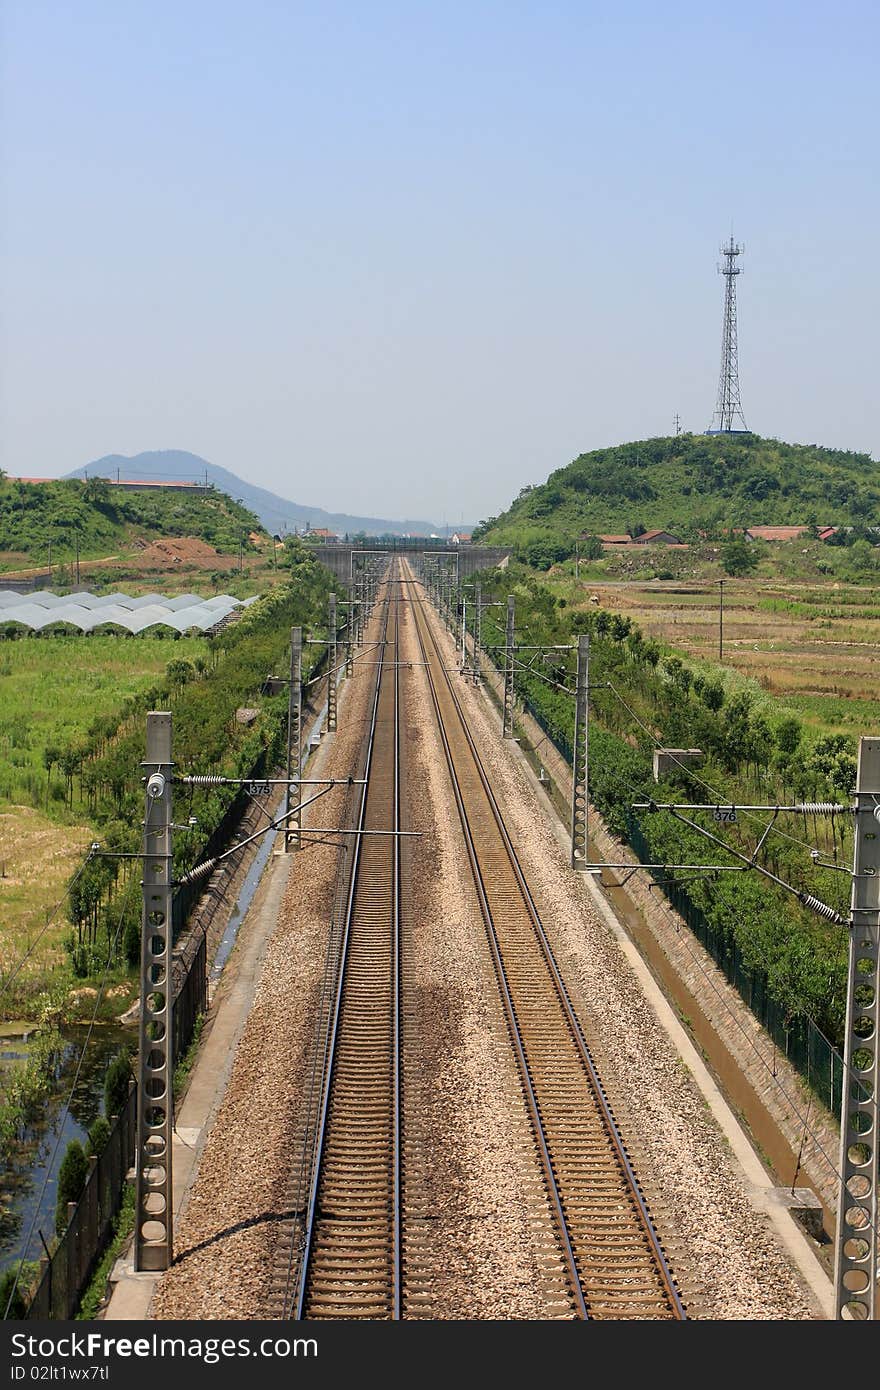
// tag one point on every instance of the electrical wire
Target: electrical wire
(672, 917)
(722, 800)
(677, 927)
(678, 924)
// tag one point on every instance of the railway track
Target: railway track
(614, 1261)
(344, 1260)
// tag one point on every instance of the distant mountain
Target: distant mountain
(276, 513)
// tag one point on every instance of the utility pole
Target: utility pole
(49, 562)
(507, 725)
(580, 758)
(154, 1233)
(855, 1264)
(331, 663)
(77, 557)
(293, 795)
(478, 628)
(677, 425)
(720, 619)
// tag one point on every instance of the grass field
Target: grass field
(54, 687)
(36, 859)
(813, 646)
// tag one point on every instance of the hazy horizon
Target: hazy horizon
(398, 261)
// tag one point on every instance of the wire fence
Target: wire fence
(67, 1272)
(797, 1037)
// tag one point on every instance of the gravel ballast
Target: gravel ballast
(479, 1240)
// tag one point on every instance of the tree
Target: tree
(861, 557)
(734, 733)
(788, 736)
(712, 695)
(738, 558)
(834, 757)
(590, 548)
(12, 1279)
(179, 672)
(70, 761)
(99, 1133)
(96, 491)
(116, 1083)
(71, 1180)
(51, 754)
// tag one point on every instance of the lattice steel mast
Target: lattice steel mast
(728, 408)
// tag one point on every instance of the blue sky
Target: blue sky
(402, 259)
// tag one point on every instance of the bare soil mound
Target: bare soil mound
(180, 550)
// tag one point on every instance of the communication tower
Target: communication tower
(728, 417)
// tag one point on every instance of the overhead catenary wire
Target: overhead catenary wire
(677, 926)
(807, 899)
(724, 801)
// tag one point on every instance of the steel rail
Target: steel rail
(335, 1026)
(396, 1175)
(571, 1019)
(510, 1012)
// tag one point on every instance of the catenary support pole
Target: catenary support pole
(478, 628)
(293, 795)
(463, 630)
(331, 663)
(154, 1225)
(507, 725)
(855, 1264)
(350, 635)
(580, 758)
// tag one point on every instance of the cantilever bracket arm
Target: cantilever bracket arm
(805, 899)
(760, 845)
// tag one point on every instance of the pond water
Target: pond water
(25, 1190)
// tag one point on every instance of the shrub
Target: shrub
(71, 1180)
(99, 1133)
(116, 1084)
(738, 557)
(18, 1307)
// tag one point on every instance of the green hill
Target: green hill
(106, 519)
(690, 483)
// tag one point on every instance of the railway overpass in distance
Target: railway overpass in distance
(344, 558)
